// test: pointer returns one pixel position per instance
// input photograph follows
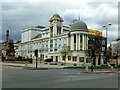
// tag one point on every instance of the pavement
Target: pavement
(48, 66)
(56, 78)
(40, 65)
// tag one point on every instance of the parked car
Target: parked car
(62, 63)
(53, 63)
(49, 60)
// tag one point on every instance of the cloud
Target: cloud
(19, 15)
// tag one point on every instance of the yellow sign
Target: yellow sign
(94, 32)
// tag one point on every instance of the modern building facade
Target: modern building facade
(50, 40)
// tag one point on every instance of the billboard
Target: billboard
(94, 32)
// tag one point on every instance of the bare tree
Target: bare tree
(116, 48)
(65, 51)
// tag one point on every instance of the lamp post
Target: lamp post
(106, 27)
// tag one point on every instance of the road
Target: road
(16, 77)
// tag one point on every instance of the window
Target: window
(55, 49)
(69, 57)
(51, 45)
(74, 58)
(74, 41)
(58, 30)
(74, 46)
(51, 41)
(51, 31)
(81, 59)
(74, 38)
(81, 42)
(51, 50)
(39, 50)
(46, 50)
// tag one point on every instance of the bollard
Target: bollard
(26, 64)
(111, 68)
(86, 68)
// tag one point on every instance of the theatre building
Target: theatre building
(50, 40)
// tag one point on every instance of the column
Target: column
(80, 42)
(83, 42)
(53, 44)
(86, 41)
(96, 60)
(72, 41)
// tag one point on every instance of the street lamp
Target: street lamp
(106, 27)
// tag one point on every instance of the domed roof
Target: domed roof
(78, 24)
(55, 16)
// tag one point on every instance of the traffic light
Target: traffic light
(36, 52)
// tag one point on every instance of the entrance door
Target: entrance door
(56, 59)
(99, 61)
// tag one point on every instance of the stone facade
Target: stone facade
(50, 40)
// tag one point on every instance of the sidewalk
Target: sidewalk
(48, 66)
(40, 65)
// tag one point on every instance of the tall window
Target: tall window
(46, 46)
(74, 41)
(58, 30)
(69, 57)
(51, 44)
(51, 32)
(55, 47)
(81, 40)
(74, 58)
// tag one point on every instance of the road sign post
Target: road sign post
(92, 54)
(36, 54)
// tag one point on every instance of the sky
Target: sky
(19, 14)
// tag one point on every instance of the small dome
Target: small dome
(78, 24)
(56, 16)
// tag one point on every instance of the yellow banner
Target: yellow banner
(94, 32)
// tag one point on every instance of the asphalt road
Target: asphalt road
(15, 77)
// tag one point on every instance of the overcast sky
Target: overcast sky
(18, 15)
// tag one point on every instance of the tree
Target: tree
(94, 47)
(109, 53)
(116, 48)
(65, 51)
(95, 44)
